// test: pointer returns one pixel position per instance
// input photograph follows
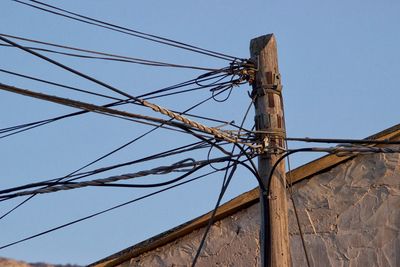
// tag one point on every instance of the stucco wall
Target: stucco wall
(350, 217)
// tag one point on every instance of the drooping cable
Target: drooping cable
(101, 158)
(225, 184)
(344, 141)
(104, 211)
(109, 181)
(221, 194)
(211, 220)
(102, 55)
(28, 126)
(183, 122)
(329, 150)
(76, 175)
(154, 107)
(124, 30)
(59, 85)
(87, 106)
(78, 73)
(291, 196)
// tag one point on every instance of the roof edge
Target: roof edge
(240, 202)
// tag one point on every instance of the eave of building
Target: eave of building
(240, 202)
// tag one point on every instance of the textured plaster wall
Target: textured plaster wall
(232, 241)
(350, 217)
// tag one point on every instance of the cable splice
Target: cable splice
(216, 132)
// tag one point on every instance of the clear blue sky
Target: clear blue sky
(340, 64)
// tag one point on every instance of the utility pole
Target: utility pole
(269, 120)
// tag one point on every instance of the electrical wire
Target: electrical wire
(120, 92)
(311, 149)
(291, 196)
(51, 187)
(197, 80)
(107, 155)
(183, 122)
(104, 211)
(124, 30)
(289, 182)
(76, 175)
(109, 180)
(59, 85)
(90, 107)
(225, 184)
(344, 141)
(105, 56)
(108, 210)
(24, 127)
(221, 194)
(28, 126)
(78, 73)
(142, 102)
(211, 220)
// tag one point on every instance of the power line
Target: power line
(104, 110)
(109, 181)
(56, 185)
(343, 141)
(58, 84)
(32, 125)
(104, 211)
(108, 154)
(87, 77)
(225, 183)
(184, 123)
(79, 175)
(221, 194)
(291, 194)
(124, 30)
(211, 220)
(346, 150)
(217, 87)
(85, 106)
(104, 56)
(145, 103)
(27, 126)
(142, 102)
(159, 154)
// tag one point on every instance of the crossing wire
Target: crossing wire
(119, 102)
(101, 158)
(107, 155)
(225, 183)
(184, 123)
(87, 77)
(146, 96)
(145, 103)
(34, 1)
(118, 206)
(80, 175)
(102, 55)
(109, 181)
(58, 84)
(105, 211)
(124, 30)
